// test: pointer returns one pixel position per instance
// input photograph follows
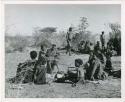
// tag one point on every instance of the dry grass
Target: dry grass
(110, 88)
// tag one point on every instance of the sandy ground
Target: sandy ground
(110, 88)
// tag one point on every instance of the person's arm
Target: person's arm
(56, 53)
(47, 53)
(79, 74)
(67, 36)
(39, 55)
(35, 70)
(100, 37)
(93, 70)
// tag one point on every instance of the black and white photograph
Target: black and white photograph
(62, 50)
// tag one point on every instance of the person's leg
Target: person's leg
(81, 75)
(49, 69)
(70, 51)
(66, 49)
(99, 72)
(93, 71)
(55, 67)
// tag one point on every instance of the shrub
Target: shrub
(15, 43)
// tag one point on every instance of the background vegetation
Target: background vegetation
(49, 35)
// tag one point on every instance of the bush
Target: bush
(115, 37)
(15, 43)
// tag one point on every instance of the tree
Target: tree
(83, 24)
(82, 33)
(115, 27)
(48, 31)
(43, 35)
(36, 34)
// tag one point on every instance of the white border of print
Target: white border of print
(2, 54)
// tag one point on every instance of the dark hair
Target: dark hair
(98, 42)
(33, 54)
(41, 46)
(102, 32)
(83, 41)
(54, 45)
(91, 43)
(78, 62)
(70, 29)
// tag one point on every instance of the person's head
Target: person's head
(98, 52)
(91, 43)
(102, 32)
(87, 41)
(33, 54)
(78, 62)
(42, 47)
(98, 43)
(82, 41)
(53, 46)
(70, 29)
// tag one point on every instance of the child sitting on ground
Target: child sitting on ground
(74, 74)
(81, 70)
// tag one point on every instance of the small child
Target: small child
(74, 74)
(81, 70)
(77, 75)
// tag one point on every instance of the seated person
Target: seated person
(101, 57)
(89, 64)
(81, 70)
(74, 74)
(108, 66)
(25, 70)
(94, 68)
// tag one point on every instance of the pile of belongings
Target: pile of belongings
(72, 75)
(24, 73)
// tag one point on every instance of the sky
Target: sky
(59, 0)
(22, 18)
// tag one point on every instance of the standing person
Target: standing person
(97, 47)
(87, 47)
(40, 68)
(68, 39)
(102, 39)
(91, 47)
(42, 51)
(52, 61)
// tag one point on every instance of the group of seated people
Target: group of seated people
(34, 70)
